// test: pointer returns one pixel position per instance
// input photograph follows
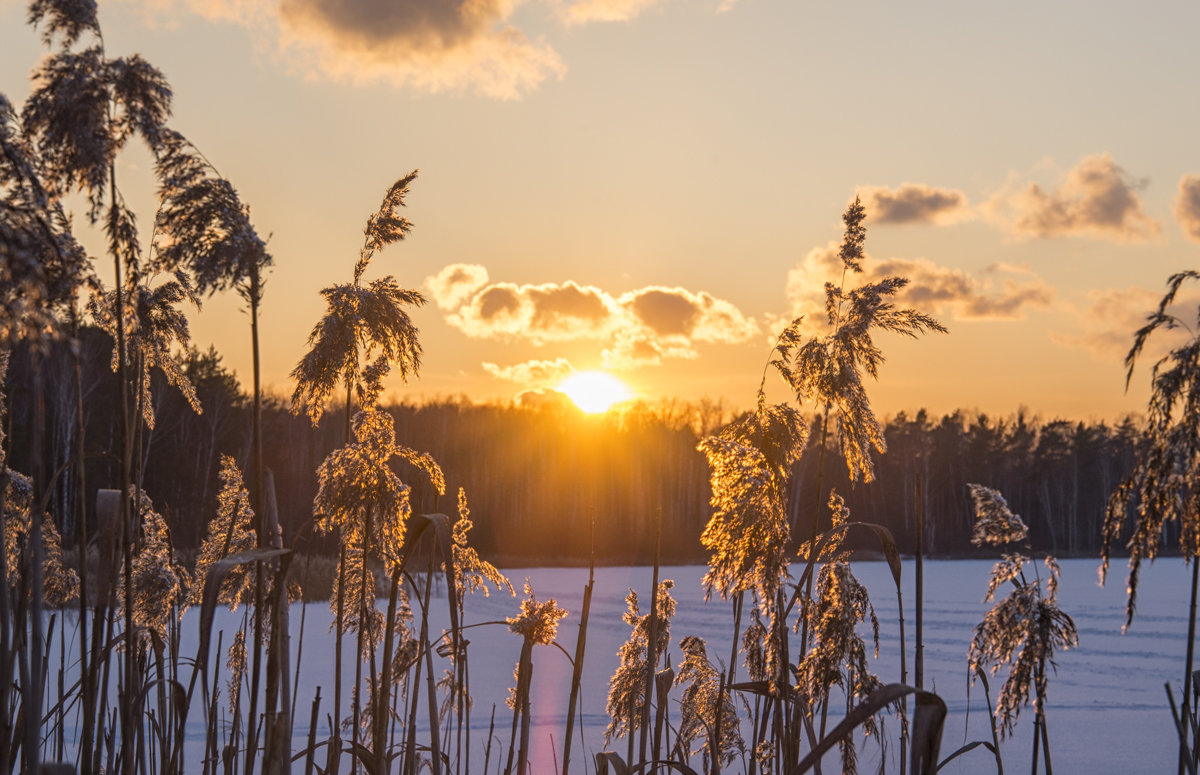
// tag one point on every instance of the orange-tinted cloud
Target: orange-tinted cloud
(533, 372)
(581, 11)
(640, 327)
(632, 350)
(424, 45)
(430, 45)
(455, 284)
(915, 203)
(1187, 206)
(1106, 327)
(1000, 292)
(1095, 198)
(678, 312)
(539, 313)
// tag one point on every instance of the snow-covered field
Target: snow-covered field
(1107, 707)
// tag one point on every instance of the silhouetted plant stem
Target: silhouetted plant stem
(1045, 732)
(919, 650)
(431, 688)
(278, 732)
(7, 652)
(86, 678)
(379, 715)
(580, 648)
(360, 640)
(33, 688)
(312, 733)
(410, 749)
(129, 689)
(521, 711)
(335, 742)
(1187, 708)
(726, 682)
(651, 643)
(300, 641)
(259, 527)
(815, 524)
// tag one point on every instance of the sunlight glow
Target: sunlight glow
(594, 391)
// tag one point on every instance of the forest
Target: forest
(538, 474)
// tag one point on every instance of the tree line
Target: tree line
(548, 483)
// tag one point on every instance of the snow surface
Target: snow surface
(1107, 709)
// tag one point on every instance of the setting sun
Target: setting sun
(594, 391)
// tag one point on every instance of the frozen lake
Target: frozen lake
(1107, 709)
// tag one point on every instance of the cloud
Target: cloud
(679, 313)
(429, 45)
(533, 372)
(1106, 326)
(1095, 198)
(1000, 292)
(537, 313)
(640, 327)
(455, 284)
(1187, 206)
(633, 350)
(915, 203)
(423, 45)
(583, 11)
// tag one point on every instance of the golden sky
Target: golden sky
(654, 188)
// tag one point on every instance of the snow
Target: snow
(1107, 709)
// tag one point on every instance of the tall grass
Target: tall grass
(797, 610)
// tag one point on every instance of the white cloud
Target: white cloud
(531, 373)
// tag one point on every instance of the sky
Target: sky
(655, 187)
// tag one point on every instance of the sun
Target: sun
(594, 391)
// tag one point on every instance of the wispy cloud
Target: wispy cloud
(915, 203)
(1187, 206)
(455, 284)
(582, 11)
(1105, 327)
(1095, 198)
(639, 327)
(1000, 292)
(531, 373)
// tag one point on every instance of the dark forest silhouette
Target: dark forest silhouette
(538, 474)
